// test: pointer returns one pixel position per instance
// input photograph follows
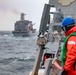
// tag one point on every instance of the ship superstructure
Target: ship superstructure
(23, 27)
(63, 8)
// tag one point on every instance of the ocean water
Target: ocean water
(17, 54)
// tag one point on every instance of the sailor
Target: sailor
(68, 57)
(58, 15)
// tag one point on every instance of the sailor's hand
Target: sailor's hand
(56, 63)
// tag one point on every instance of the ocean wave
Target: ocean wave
(9, 60)
(26, 59)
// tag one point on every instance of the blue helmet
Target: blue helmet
(67, 21)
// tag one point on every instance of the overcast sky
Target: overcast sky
(11, 9)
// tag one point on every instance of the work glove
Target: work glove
(64, 72)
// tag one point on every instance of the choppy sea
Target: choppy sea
(17, 54)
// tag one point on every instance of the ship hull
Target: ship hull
(23, 34)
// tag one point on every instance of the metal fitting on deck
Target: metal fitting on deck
(41, 41)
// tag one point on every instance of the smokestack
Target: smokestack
(22, 16)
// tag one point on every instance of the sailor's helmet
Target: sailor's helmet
(68, 21)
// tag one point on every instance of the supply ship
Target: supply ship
(23, 27)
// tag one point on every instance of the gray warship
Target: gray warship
(23, 27)
(51, 37)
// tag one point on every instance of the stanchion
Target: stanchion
(41, 41)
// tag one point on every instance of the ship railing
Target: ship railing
(20, 31)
